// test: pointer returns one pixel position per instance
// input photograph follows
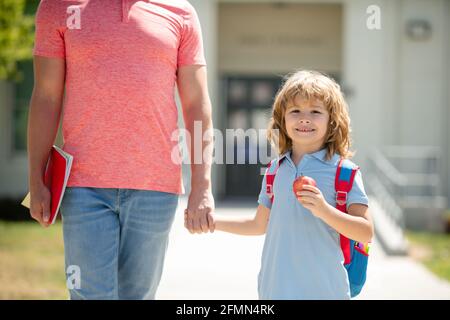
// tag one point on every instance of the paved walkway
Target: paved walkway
(225, 266)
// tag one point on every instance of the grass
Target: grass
(433, 250)
(31, 261)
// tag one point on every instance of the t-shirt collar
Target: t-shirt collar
(320, 155)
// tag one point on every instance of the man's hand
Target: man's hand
(40, 204)
(198, 217)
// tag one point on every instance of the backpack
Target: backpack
(356, 254)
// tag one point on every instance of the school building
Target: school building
(391, 57)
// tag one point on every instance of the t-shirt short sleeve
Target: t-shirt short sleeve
(190, 50)
(357, 194)
(49, 36)
(263, 197)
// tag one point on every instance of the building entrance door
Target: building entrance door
(248, 103)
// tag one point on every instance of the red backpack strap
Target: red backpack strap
(345, 175)
(271, 172)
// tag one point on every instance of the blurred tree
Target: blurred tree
(16, 37)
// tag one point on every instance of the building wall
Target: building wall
(398, 85)
(266, 38)
(421, 70)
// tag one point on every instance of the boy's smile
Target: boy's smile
(303, 130)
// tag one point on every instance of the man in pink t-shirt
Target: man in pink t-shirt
(114, 66)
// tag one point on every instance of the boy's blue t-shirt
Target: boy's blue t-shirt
(302, 257)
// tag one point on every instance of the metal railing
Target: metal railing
(405, 177)
(382, 179)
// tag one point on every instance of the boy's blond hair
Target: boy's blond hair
(308, 85)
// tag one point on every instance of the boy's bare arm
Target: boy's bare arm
(244, 225)
(356, 225)
(43, 121)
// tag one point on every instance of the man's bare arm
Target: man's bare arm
(193, 90)
(43, 121)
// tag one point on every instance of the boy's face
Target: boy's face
(306, 123)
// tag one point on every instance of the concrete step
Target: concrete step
(388, 233)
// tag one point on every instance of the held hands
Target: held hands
(312, 199)
(198, 216)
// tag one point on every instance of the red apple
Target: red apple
(301, 181)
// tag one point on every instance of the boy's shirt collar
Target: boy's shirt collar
(320, 155)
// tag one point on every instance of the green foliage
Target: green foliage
(16, 37)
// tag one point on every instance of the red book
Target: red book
(56, 176)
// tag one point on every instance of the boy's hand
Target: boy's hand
(312, 199)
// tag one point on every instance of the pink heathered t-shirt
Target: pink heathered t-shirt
(119, 110)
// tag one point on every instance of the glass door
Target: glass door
(248, 109)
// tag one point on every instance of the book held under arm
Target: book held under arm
(56, 176)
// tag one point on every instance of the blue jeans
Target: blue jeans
(115, 239)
